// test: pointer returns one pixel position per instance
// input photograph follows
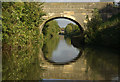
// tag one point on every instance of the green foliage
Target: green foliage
(0, 30)
(103, 33)
(20, 22)
(68, 41)
(72, 29)
(51, 38)
(95, 22)
(50, 29)
(93, 25)
(50, 45)
(68, 28)
(21, 40)
(16, 64)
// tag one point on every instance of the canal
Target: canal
(61, 58)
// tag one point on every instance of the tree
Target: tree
(50, 29)
(21, 39)
(72, 29)
(95, 22)
(93, 26)
(20, 22)
(68, 29)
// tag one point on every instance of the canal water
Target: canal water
(61, 58)
(63, 53)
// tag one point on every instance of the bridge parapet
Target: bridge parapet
(75, 11)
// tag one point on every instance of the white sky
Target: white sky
(63, 22)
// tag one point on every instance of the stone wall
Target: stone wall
(76, 11)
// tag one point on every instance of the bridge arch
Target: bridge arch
(65, 63)
(50, 19)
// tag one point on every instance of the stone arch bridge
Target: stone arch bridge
(74, 11)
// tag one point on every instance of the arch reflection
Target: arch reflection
(62, 54)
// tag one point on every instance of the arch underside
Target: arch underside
(52, 18)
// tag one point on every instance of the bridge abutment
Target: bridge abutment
(75, 11)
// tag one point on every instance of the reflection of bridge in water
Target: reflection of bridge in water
(74, 70)
(80, 69)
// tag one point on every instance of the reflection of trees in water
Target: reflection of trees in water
(102, 62)
(67, 40)
(99, 64)
(21, 64)
(50, 45)
(76, 43)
